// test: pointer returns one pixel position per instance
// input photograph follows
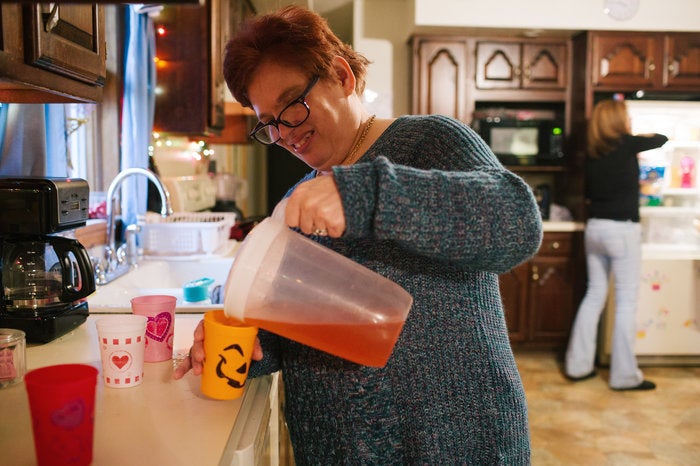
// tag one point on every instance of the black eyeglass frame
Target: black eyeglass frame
(277, 121)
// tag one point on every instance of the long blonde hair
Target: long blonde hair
(609, 123)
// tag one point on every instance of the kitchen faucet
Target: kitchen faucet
(117, 261)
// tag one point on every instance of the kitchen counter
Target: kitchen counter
(162, 421)
(562, 226)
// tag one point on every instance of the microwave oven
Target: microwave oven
(523, 142)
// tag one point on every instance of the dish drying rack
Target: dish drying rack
(185, 233)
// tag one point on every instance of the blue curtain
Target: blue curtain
(24, 149)
(56, 153)
(138, 108)
(33, 140)
(3, 123)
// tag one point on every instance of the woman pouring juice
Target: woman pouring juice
(422, 201)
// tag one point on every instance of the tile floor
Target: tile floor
(586, 423)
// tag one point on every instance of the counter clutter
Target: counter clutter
(161, 421)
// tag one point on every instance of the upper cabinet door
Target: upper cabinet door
(624, 60)
(682, 64)
(67, 39)
(544, 66)
(521, 65)
(439, 69)
(498, 65)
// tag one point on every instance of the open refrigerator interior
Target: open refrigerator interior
(668, 314)
(669, 185)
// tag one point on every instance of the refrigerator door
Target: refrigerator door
(668, 317)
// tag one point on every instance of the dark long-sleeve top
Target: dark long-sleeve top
(431, 208)
(612, 180)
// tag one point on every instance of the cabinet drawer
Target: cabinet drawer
(556, 244)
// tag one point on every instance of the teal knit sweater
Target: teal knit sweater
(429, 207)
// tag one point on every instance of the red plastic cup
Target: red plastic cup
(62, 406)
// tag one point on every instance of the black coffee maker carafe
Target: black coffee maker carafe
(44, 277)
(44, 280)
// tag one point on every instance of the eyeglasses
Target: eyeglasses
(291, 116)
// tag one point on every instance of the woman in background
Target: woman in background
(421, 200)
(613, 239)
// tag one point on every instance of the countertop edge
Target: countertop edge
(552, 226)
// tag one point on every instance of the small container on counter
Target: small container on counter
(12, 356)
(197, 291)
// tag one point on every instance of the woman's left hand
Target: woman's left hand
(315, 207)
(195, 358)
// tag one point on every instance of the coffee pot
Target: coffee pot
(44, 278)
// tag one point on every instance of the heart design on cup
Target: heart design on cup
(121, 359)
(70, 415)
(158, 326)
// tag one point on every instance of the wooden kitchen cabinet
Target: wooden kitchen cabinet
(521, 65)
(453, 75)
(650, 61)
(190, 41)
(52, 52)
(190, 93)
(440, 71)
(541, 297)
(514, 286)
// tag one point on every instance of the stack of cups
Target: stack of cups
(129, 340)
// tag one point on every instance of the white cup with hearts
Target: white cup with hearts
(122, 339)
(160, 327)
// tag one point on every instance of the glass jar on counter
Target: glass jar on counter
(12, 356)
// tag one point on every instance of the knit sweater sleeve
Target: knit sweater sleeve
(434, 187)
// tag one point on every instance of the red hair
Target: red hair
(293, 37)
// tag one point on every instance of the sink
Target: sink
(160, 277)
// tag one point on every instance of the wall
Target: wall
(653, 15)
(382, 29)
(382, 35)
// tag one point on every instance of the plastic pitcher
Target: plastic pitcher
(287, 284)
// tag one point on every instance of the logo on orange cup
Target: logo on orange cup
(235, 370)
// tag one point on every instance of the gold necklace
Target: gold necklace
(351, 156)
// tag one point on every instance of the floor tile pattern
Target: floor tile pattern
(586, 423)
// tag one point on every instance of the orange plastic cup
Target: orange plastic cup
(228, 347)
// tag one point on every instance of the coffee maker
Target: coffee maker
(44, 277)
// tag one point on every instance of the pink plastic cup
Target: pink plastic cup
(160, 328)
(62, 405)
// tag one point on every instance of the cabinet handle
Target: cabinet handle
(53, 18)
(527, 73)
(535, 273)
(652, 66)
(555, 245)
(671, 68)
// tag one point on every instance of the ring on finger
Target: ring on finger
(320, 232)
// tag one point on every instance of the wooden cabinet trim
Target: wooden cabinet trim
(64, 48)
(650, 61)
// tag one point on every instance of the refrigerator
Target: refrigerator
(668, 315)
